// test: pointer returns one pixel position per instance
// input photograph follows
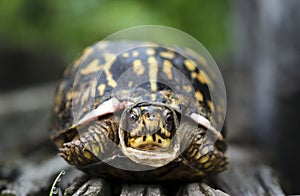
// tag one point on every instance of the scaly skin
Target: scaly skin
(92, 143)
(202, 158)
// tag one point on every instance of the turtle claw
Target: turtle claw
(74, 154)
(66, 153)
(87, 149)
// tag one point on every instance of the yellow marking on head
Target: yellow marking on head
(125, 55)
(92, 67)
(187, 88)
(211, 105)
(167, 65)
(150, 51)
(190, 65)
(101, 89)
(109, 60)
(135, 53)
(143, 107)
(167, 133)
(138, 68)
(153, 71)
(168, 54)
(151, 124)
(199, 96)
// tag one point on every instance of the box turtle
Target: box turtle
(140, 111)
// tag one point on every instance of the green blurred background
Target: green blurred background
(50, 34)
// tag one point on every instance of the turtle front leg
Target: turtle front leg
(91, 144)
(205, 154)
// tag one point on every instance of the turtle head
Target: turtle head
(148, 133)
(150, 127)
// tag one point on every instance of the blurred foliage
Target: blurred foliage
(68, 26)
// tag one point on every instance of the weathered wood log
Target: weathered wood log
(246, 176)
(32, 169)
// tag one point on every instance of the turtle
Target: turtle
(139, 111)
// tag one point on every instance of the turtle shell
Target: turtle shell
(92, 78)
(132, 72)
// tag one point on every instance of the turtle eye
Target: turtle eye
(134, 115)
(168, 116)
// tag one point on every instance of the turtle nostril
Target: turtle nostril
(150, 116)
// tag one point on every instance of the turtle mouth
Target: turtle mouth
(154, 150)
(160, 139)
